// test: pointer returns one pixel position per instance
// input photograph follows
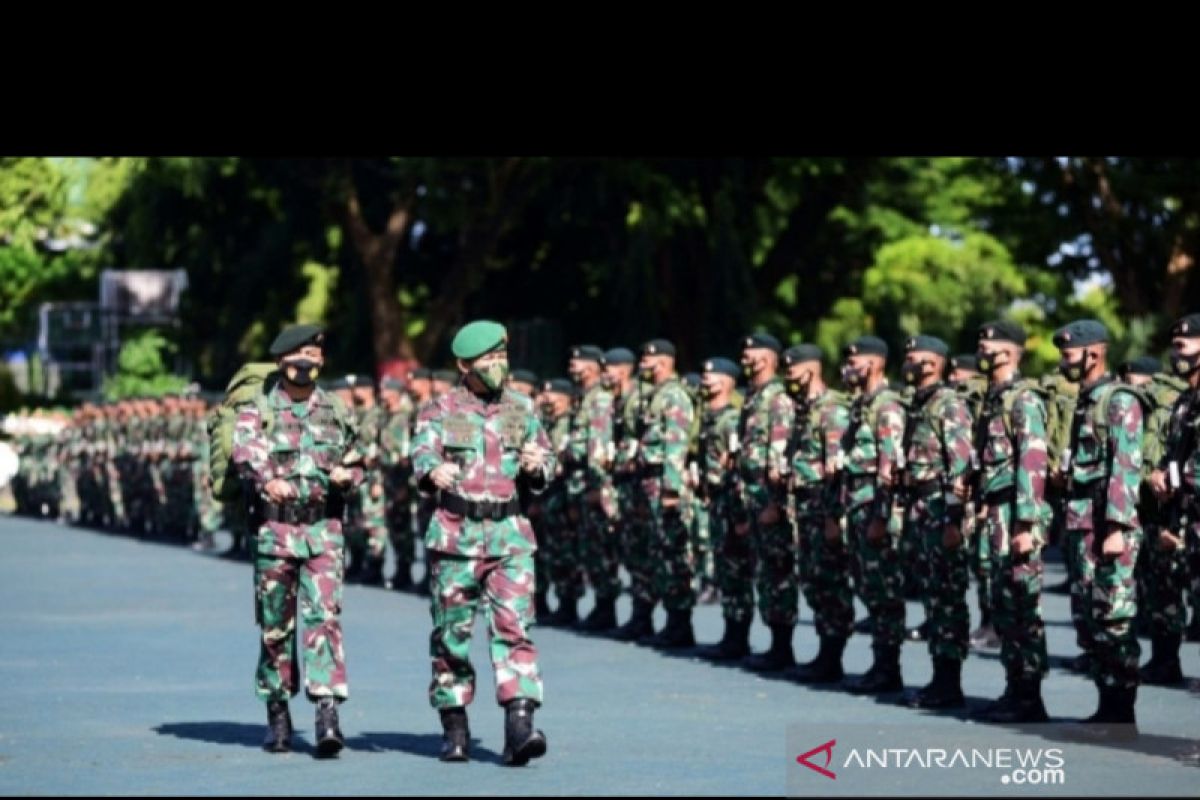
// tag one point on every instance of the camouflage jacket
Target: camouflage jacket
(1106, 457)
(873, 452)
(484, 438)
(665, 426)
(717, 429)
(1180, 447)
(816, 443)
(938, 437)
(764, 427)
(1017, 461)
(395, 439)
(625, 427)
(591, 448)
(306, 441)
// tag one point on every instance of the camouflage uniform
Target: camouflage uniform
(1011, 443)
(633, 533)
(474, 559)
(306, 441)
(873, 450)
(763, 429)
(717, 431)
(395, 449)
(937, 459)
(368, 534)
(662, 460)
(1105, 472)
(555, 534)
(824, 567)
(589, 451)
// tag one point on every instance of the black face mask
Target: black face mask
(1184, 366)
(608, 381)
(854, 378)
(301, 372)
(986, 363)
(647, 375)
(548, 409)
(797, 388)
(912, 372)
(576, 377)
(707, 392)
(750, 369)
(1074, 371)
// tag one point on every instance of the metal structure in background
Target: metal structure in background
(78, 343)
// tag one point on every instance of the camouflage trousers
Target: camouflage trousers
(636, 536)
(367, 530)
(318, 582)
(735, 571)
(208, 508)
(720, 527)
(1016, 599)
(1105, 605)
(397, 494)
(556, 534)
(669, 551)
(878, 577)
(504, 586)
(775, 580)
(179, 511)
(944, 576)
(824, 571)
(1162, 585)
(981, 562)
(599, 553)
(703, 543)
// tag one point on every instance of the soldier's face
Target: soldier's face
(1185, 347)
(618, 374)
(522, 387)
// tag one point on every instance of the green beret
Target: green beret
(391, 383)
(1186, 327)
(478, 338)
(559, 386)
(692, 380)
(524, 376)
(927, 344)
(866, 346)
(799, 353)
(1142, 365)
(588, 352)
(1080, 333)
(765, 340)
(620, 355)
(964, 361)
(295, 337)
(658, 347)
(1002, 330)
(722, 366)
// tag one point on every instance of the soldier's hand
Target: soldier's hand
(773, 476)
(278, 490)
(443, 476)
(341, 476)
(1158, 483)
(1022, 544)
(833, 531)
(952, 537)
(769, 515)
(532, 457)
(376, 491)
(1114, 544)
(670, 501)
(876, 531)
(1168, 541)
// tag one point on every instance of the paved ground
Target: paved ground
(128, 667)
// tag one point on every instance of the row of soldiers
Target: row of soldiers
(798, 487)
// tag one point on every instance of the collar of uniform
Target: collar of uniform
(300, 409)
(471, 400)
(923, 395)
(1087, 389)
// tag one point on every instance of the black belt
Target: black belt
(924, 488)
(480, 509)
(651, 471)
(809, 494)
(293, 514)
(1087, 491)
(1001, 496)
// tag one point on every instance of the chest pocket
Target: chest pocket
(460, 439)
(998, 449)
(512, 430)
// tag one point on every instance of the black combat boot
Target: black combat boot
(1025, 704)
(1164, 669)
(945, 690)
(919, 633)
(541, 606)
(566, 615)
(402, 580)
(676, 634)
(355, 569)
(456, 735)
(865, 625)
(521, 740)
(827, 666)
(734, 644)
(603, 617)
(641, 623)
(883, 676)
(329, 736)
(1081, 664)
(372, 574)
(279, 727)
(778, 656)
